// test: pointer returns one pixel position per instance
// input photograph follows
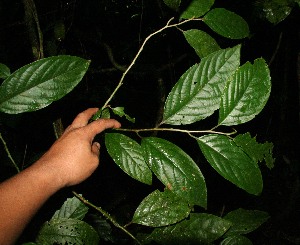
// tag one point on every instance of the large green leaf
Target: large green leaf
(246, 94)
(4, 71)
(176, 170)
(256, 151)
(72, 208)
(128, 155)
(197, 8)
(227, 23)
(245, 221)
(67, 231)
(198, 92)
(203, 43)
(160, 209)
(38, 84)
(198, 229)
(231, 162)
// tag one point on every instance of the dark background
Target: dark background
(91, 27)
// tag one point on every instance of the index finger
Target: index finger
(83, 118)
(100, 125)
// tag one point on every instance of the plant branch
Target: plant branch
(168, 25)
(106, 215)
(190, 132)
(8, 154)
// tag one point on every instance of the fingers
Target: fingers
(83, 118)
(100, 125)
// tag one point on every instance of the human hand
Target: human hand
(74, 156)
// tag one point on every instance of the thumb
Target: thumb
(96, 148)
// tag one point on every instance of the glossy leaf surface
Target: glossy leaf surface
(128, 155)
(198, 92)
(246, 94)
(201, 42)
(245, 221)
(176, 170)
(198, 229)
(38, 84)
(197, 8)
(227, 23)
(67, 231)
(72, 208)
(160, 209)
(231, 162)
(256, 151)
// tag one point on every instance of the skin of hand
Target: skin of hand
(69, 161)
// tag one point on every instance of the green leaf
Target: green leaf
(29, 243)
(197, 8)
(176, 170)
(227, 23)
(245, 221)
(72, 208)
(4, 71)
(276, 11)
(203, 43)
(198, 92)
(120, 112)
(160, 209)
(236, 240)
(67, 231)
(246, 94)
(256, 151)
(38, 84)
(173, 4)
(128, 155)
(198, 229)
(231, 162)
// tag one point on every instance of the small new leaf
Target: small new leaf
(120, 112)
(160, 209)
(256, 151)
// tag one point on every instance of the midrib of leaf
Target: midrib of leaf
(238, 97)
